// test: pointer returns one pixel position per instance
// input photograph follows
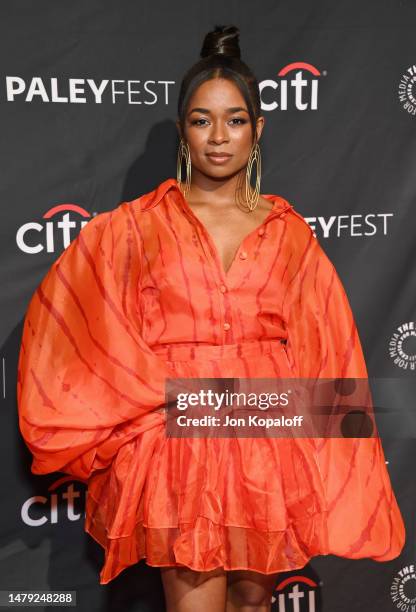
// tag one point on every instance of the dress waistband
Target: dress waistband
(186, 352)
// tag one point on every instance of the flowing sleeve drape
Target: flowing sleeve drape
(323, 340)
(85, 374)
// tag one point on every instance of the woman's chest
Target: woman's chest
(184, 264)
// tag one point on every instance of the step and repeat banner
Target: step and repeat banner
(88, 94)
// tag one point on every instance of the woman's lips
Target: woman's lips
(218, 159)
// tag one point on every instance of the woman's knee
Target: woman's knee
(188, 590)
(250, 588)
(192, 578)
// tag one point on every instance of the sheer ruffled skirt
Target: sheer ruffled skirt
(262, 504)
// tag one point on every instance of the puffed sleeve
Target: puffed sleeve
(323, 340)
(85, 375)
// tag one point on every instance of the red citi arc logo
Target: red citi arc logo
(35, 237)
(295, 594)
(297, 88)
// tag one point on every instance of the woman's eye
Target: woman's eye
(238, 119)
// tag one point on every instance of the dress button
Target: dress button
(226, 326)
(223, 288)
(243, 255)
(261, 231)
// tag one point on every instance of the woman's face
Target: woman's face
(217, 121)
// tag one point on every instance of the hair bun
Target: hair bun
(222, 41)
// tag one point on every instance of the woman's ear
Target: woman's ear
(259, 127)
(178, 127)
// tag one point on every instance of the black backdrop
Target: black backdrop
(88, 94)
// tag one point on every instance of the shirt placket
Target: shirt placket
(224, 297)
(227, 284)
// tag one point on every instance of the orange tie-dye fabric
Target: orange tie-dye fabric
(140, 296)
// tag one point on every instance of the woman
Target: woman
(201, 278)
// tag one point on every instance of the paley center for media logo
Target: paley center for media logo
(60, 223)
(402, 346)
(403, 589)
(407, 90)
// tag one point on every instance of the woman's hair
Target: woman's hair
(221, 58)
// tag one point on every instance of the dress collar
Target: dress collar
(151, 199)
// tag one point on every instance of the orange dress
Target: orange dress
(140, 296)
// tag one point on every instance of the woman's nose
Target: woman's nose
(218, 133)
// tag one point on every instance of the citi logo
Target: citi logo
(295, 594)
(297, 87)
(41, 509)
(55, 232)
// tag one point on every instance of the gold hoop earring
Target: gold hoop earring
(183, 153)
(252, 195)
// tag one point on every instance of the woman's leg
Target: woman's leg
(189, 591)
(248, 591)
